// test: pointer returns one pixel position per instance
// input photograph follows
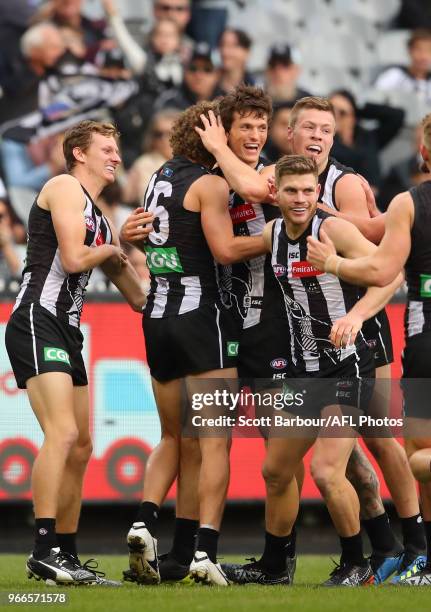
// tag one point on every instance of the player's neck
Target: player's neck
(294, 230)
(92, 184)
(322, 166)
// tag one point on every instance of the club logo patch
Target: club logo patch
(89, 224)
(279, 270)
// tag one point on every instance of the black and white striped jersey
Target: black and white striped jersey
(249, 287)
(44, 280)
(182, 268)
(328, 180)
(313, 300)
(418, 266)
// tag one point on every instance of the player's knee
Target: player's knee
(325, 475)
(276, 477)
(81, 452)
(64, 438)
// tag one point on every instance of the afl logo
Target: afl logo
(89, 223)
(278, 364)
(279, 270)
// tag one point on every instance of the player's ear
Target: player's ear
(318, 187)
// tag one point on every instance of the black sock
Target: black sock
(276, 551)
(45, 537)
(183, 545)
(380, 533)
(291, 548)
(427, 525)
(413, 533)
(207, 541)
(148, 513)
(352, 551)
(67, 543)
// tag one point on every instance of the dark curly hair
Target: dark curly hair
(186, 141)
(245, 99)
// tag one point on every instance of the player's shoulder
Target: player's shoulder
(401, 204)
(60, 183)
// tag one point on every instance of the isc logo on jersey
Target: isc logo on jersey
(163, 260)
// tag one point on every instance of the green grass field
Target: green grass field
(305, 596)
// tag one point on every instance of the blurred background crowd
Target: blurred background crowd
(141, 62)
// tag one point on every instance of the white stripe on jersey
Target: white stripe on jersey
(33, 337)
(415, 318)
(25, 281)
(379, 325)
(192, 294)
(53, 284)
(220, 340)
(333, 175)
(160, 297)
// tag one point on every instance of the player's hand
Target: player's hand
(213, 134)
(345, 330)
(318, 251)
(272, 189)
(137, 226)
(371, 200)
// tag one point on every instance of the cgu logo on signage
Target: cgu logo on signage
(163, 260)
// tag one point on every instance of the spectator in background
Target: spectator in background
(201, 82)
(405, 174)
(180, 12)
(67, 13)
(158, 62)
(234, 48)
(11, 231)
(413, 14)
(357, 146)
(278, 144)
(416, 77)
(156, 151)
(40, 49)
(282, 74)
(208, 21)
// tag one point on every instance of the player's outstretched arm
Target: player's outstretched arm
(347, 240)
(385, 263)
(65, 200)
(213, 194)
(251, 185)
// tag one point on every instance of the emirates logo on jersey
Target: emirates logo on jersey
(304, 268)
(89, 224)
(242, 213)
(100, 239)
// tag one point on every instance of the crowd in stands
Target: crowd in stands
(140, 63)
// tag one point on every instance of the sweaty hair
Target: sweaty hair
(310, 103)
(295, 164)
(184, 138)
(417, 35)
(81, 136)
(244, 100)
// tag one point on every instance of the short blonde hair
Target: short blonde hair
(310, 102)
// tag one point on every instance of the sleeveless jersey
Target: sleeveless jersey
(182, 268)
(418, 266)
(249, 287)
(313, 300)
(328, 180)
(44, 280)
